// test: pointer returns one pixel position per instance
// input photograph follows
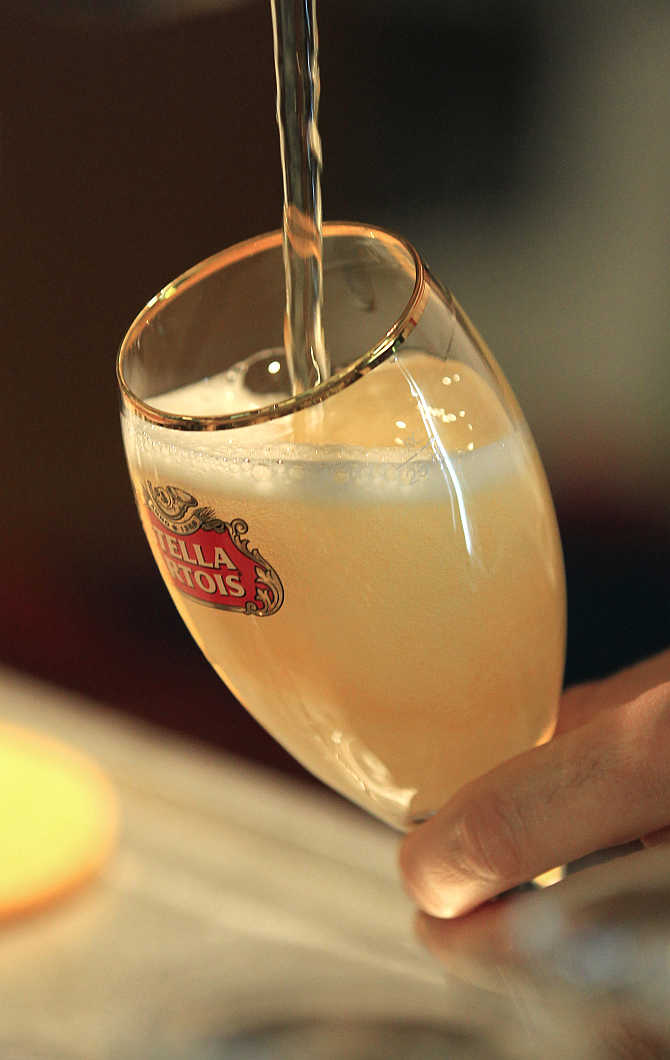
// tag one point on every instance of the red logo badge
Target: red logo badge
(208, 559)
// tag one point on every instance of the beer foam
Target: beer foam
(397, 406)
(410, 419)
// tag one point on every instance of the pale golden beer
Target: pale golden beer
(407, 632)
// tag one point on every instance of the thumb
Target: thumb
(597, 786)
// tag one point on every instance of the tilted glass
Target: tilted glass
(373, 566)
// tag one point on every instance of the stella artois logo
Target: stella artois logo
(208, 559)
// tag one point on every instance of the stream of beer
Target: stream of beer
(296, 47)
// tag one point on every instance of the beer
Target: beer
(296, 58)
(405, 631)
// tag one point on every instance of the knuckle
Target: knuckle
(660, 705)
(492, 840)
(646, 743)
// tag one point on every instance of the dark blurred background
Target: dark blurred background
(524, 148)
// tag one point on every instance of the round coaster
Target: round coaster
(58, 820)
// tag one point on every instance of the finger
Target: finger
(582, 703)
(597, 786)
(530, 930)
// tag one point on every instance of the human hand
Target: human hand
(603, 780)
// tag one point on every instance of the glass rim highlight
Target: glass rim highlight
(387, 344)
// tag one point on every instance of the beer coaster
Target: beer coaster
(58, 820)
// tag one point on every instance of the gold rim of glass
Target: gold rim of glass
(344, 377)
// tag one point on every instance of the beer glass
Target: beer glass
(373, 565)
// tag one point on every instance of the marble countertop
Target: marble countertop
(238, 908)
